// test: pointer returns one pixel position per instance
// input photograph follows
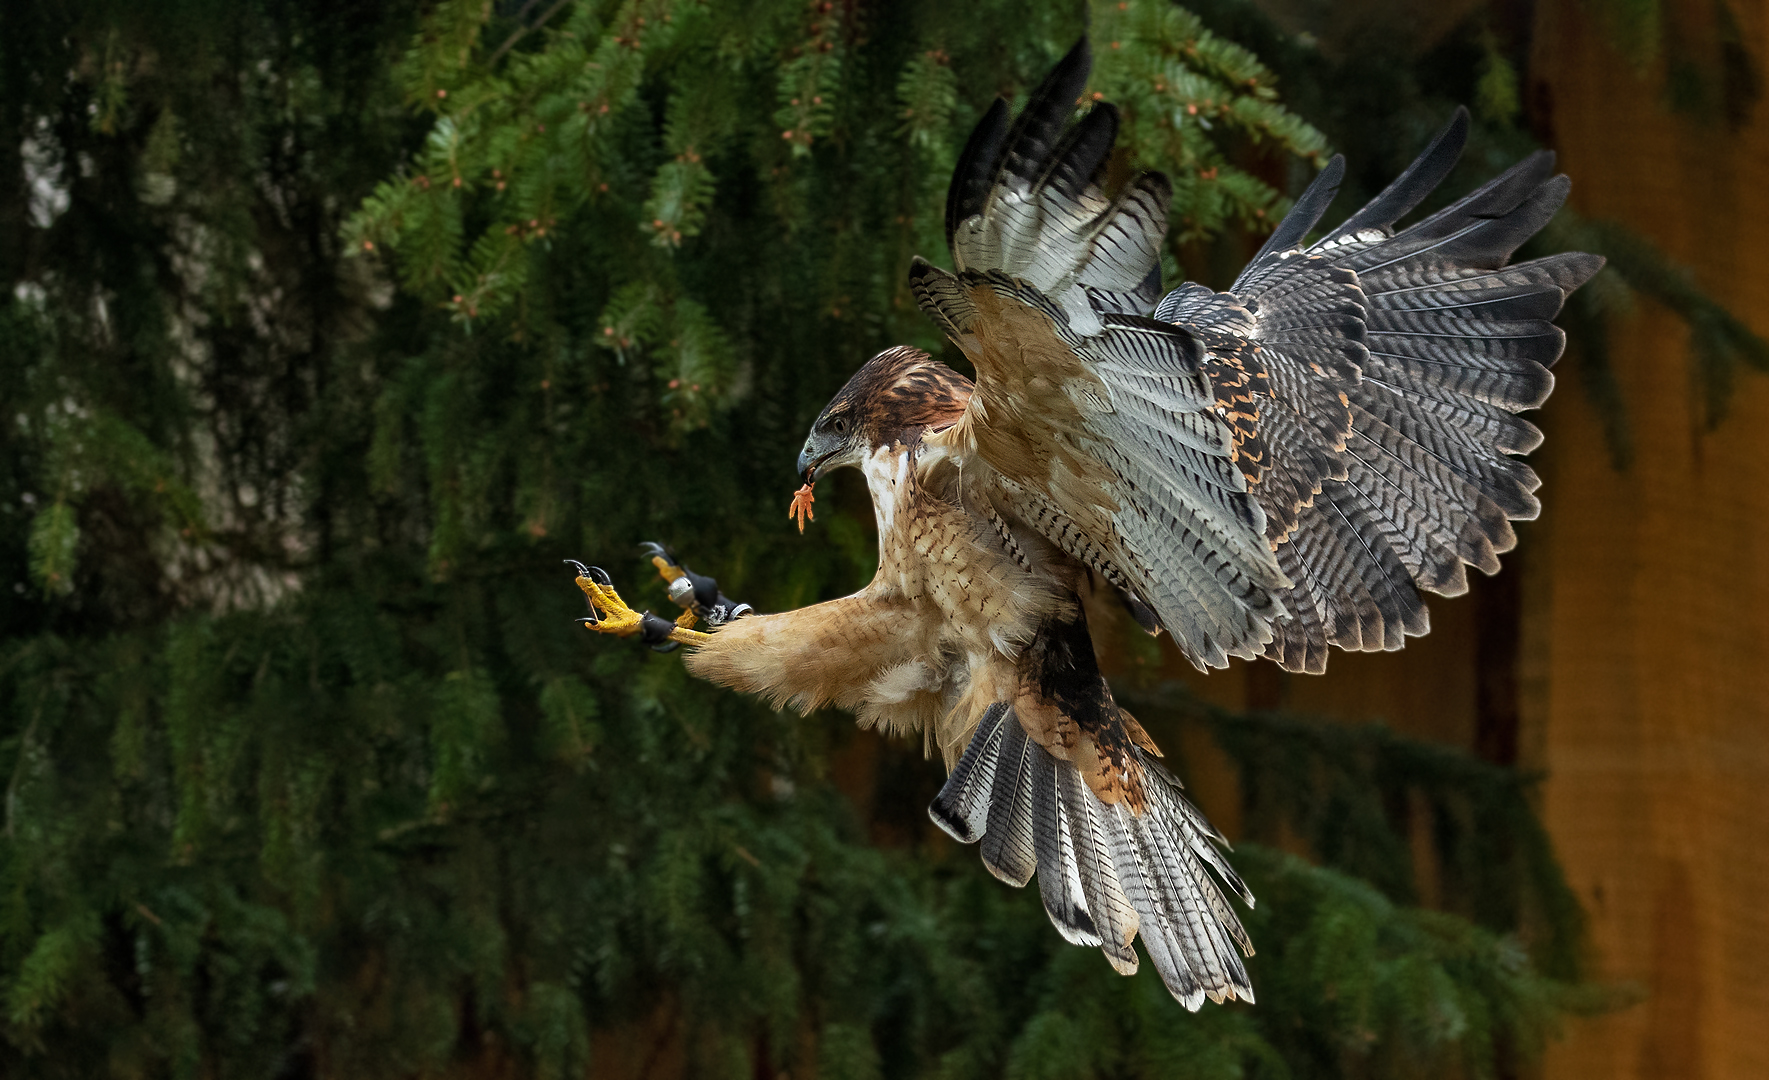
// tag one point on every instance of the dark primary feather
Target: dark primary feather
(1418, 180)
(1077, 160)
(972, 178)
(1025, 147)
(1307, 211)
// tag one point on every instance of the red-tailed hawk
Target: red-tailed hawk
(1260, 472)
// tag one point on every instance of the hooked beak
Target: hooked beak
(809, 460)
(822, 451)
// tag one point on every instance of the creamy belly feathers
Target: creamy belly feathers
(937, 555)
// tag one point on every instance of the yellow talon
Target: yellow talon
(615, 617)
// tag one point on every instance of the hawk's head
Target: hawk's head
(894, 397)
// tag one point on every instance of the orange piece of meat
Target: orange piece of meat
(801, 506)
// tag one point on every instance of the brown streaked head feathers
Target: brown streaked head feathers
(899, 392)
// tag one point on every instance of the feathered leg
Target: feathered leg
(867, 653)
(852, 652)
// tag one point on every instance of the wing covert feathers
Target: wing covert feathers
(1395, 364)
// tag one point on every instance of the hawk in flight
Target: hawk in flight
(1258, 472)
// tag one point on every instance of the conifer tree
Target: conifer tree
(331, 329)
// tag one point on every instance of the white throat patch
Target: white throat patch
(887, 477)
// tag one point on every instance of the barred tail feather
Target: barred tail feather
(1115, 920)
(1009, 844)
(1059, 867)
(1184, 939)
(1106, 873)
(963, 806)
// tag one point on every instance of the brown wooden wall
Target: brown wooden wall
(1652, 715)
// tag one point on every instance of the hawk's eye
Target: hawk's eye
(840, 426)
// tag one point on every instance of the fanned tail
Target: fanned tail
(1118, 851)
(1105, 873)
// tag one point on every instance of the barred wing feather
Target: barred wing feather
(1272, 469)
(1396, 364)
(1100, 425)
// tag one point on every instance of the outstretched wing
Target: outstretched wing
(1271, 469)
(1112, 434)
(1392, 368)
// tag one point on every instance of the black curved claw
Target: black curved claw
(597, 575)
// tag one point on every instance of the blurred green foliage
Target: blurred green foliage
(332, 328)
